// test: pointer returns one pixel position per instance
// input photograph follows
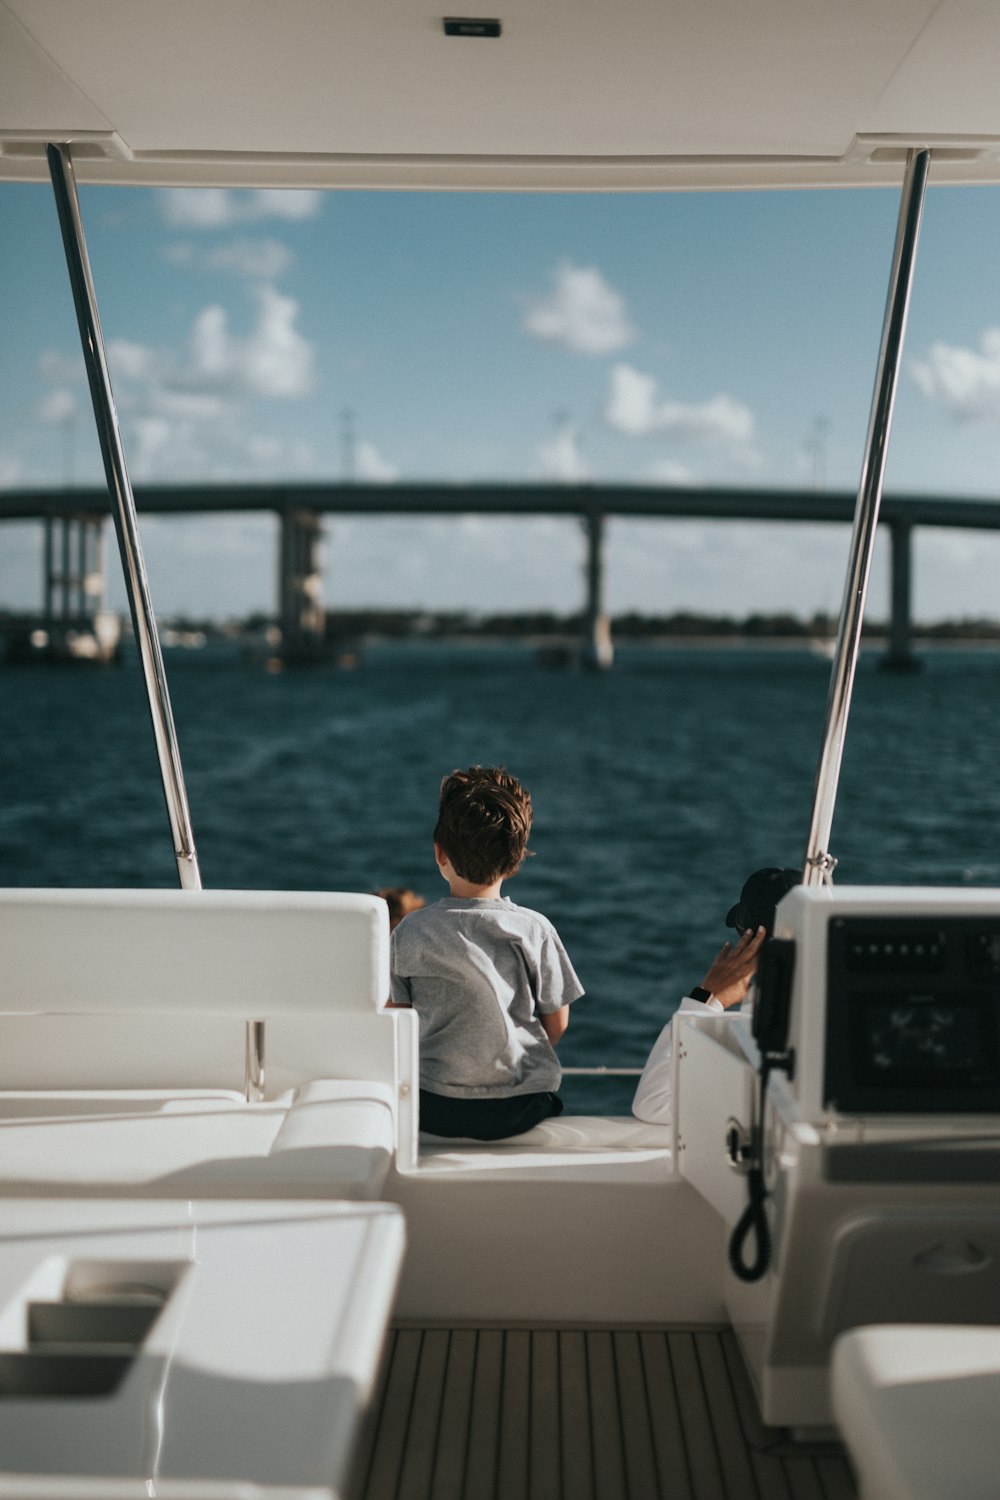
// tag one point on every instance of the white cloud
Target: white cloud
(274, 457)
(198, 208)
(278, 360)
(211, 347)
(275, 360)
(188, 406)
(61, 369)
(286, 203)
(130, 360)
(371, 467)
(635, 407)
(582, 313)
(11, 471)
(258, 260)
(220, 208)
(964, 382)
(151, 438)
(744, 458)
(196, 412)
(560, 458)
(57, 406)
(666, 471)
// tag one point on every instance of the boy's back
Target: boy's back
(479, 972)
(490, 981)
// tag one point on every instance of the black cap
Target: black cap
(759, 897)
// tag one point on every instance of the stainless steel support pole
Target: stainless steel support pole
(136, 583)
(819, 863)
(123, 511)
(255, 1079)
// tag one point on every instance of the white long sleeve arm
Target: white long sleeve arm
(653, 1100)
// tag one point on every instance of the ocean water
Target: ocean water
(657, 788)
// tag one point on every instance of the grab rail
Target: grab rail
(602, 1072)
(124, 513)
(819, 863)
(127, 528)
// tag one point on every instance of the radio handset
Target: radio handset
(772, 1007)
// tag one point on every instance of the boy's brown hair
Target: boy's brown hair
(484, 819)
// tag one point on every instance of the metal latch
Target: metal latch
(739, 1145)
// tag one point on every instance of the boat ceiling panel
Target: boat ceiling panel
(36, 93)
(575, 93)
(949, 84)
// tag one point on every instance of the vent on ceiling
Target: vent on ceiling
(470, 26)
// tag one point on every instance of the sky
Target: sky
(696, 338)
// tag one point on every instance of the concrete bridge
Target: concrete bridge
(73, 577)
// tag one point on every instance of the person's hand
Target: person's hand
(733, 967)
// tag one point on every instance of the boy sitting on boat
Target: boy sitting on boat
(490, 981)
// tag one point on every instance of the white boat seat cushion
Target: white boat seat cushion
(252, 954)
(592, 1147)
(918, 1408)
(325, 1140)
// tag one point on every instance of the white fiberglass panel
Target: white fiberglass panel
(257, 1368)
(243, 79)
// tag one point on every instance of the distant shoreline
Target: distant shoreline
(544, 632)
(819, 648)
(543, 628)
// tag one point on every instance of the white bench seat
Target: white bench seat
(328, 1139)
(252, 1380)
(574, 1146)
(123, 1024)
(919, 1407)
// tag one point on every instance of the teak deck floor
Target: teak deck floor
(575, 1414)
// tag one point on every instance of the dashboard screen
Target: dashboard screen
(913, 1015)
(915, 1038)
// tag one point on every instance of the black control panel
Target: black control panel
(913, 1015)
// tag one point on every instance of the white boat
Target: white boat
(200, 1256)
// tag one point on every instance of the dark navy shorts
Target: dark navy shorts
(486, 1119)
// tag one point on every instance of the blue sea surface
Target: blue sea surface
(657, 788)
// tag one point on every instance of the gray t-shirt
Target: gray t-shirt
(478, 973)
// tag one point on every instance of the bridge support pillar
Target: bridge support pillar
(899, 655)
(597, 650)
(73, 624)
(300, 584)
(73, 569)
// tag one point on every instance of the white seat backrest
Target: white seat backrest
(116, 990)
(247, 954)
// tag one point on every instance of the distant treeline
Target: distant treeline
(405, 624)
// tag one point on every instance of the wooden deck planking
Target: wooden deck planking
(696, 1418)
(544, 1459)
(642, 1477)
(515, 1416)
(425, 1414)
(836, 1477)
(673, 1472)
(605, 1416)
(730, 1440)
(579, 1414)
(768, 1472)
(392, 1418)
(453, 1434)
(484, 1419)
(575, 1426)
(803, 1479)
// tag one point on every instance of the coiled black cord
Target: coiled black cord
(754, 1217)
